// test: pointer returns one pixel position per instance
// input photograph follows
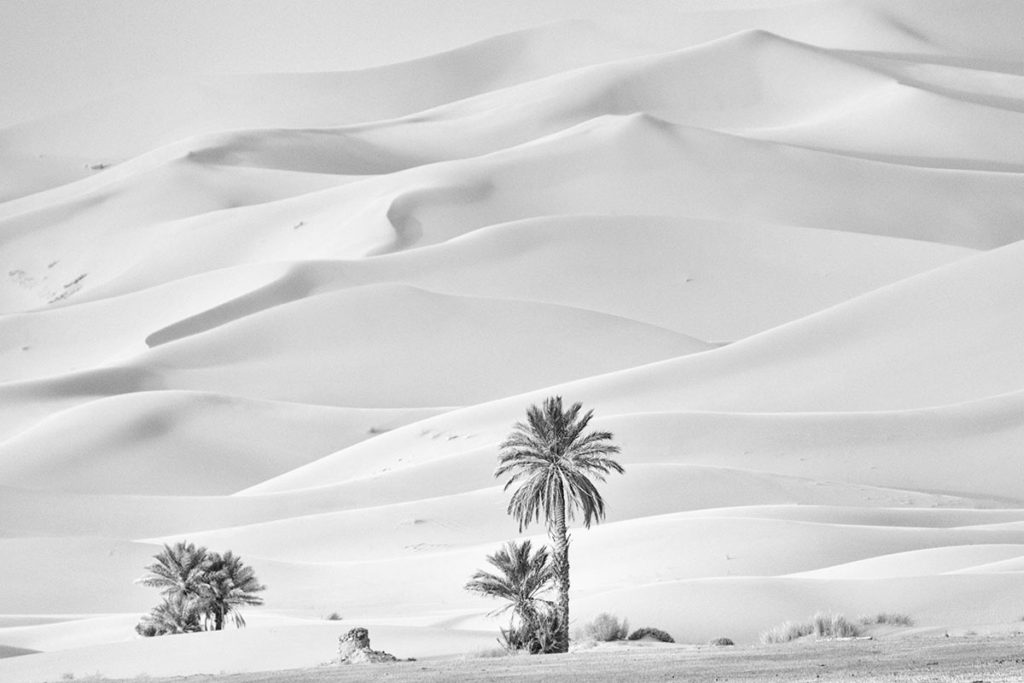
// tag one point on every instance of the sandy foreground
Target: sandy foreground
(932, 657)
(290, 308)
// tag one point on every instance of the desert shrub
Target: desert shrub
(514, 637)
(146, 629)
(785, 632)
(651, 632)
(333, 616)
(722, 642)
(537, 635)
(828, 625)
(822, 625)
(605, 628)
(888, 618)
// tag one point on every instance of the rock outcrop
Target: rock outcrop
(354, 648)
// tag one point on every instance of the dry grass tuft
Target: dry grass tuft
(887, 618)
(828, 625)
(821, 625)
(786, 632)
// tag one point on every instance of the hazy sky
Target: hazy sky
(59, 52)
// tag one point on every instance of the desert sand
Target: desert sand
(911, 659)
(289, 304)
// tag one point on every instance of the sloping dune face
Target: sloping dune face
(777, 247)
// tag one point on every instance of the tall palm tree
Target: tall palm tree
(552, 463)
(179, 570)
(521, 578)
(228, 585)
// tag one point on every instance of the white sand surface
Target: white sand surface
(289, 301)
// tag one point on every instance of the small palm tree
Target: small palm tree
(179, 570)
(176, 614)
(228, 585)
(520, 580)
(552, 463)
(200, 586)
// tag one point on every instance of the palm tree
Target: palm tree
(521, 578)
(552, 463)
(179, 570)
(176, 614)
(228, 585)
(201, 585)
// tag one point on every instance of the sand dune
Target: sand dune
(776, 247)
(170, 442)
(964, 134)
(148, 115)
(710, 289)
(656, 162)
(809, 358)
(371, 327)
(945, 560)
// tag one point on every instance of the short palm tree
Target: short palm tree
(522, 577)
(553, 461)
(176, 614)
(228, 585)
(200, 586)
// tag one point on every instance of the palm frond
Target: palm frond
(521, 576)
(550, 458)
(229, 584)
(178, 569)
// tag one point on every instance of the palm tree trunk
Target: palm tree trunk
(560, 537)
(218, 616)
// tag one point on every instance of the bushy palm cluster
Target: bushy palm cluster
(201, 589)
